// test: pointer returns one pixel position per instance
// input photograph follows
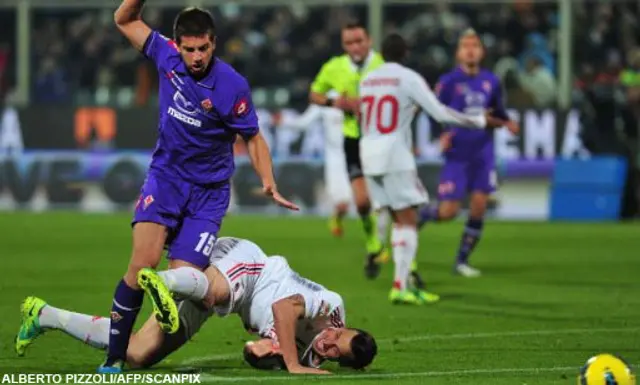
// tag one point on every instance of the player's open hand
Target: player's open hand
(299, 369)
(513, 127)
(271, 191)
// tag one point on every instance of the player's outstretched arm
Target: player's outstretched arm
(304, 121)
(286, 313)
(422, 95)
(261, 160)
(128, 18)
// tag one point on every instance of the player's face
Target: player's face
(470, 51)
(197, 52)
(334, 343)
(356, 43)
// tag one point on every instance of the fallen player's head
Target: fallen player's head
(394, 48)
(353, 348)
(355, 41)
(470, 49)
(195, 33)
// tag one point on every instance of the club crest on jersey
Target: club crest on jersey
(486, 85)
(115, 316)
(148, 201)
(241, 107)
(207, 105)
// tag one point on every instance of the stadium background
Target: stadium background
(79, 118)
(77, 86)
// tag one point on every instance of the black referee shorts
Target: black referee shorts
(352, 155)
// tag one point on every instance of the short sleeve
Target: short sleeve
(325, 304)
(158, 48)
(238, 111)
(322, 83)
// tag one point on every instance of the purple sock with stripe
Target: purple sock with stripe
(124, 311)
(470, 238)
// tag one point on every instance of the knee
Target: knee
(139, 261)
(447, 213)
(478, 208)
(144, 257)
(137, 359)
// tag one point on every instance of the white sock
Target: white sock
(92, 330)
(384, 220)
(405, 245)
(187, 282)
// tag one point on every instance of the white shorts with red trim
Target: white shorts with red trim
(241, 265)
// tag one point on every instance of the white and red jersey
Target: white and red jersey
(323, 308)
(390, 96)
(240, 262)
(256, 282)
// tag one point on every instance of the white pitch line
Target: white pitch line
(211, 378)
(215, 357)
(523, 333)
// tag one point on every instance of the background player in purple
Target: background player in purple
(469, 154)
(204, 104)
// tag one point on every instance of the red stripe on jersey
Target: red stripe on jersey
(250, 267)
(336, 319)
(241, 265)
(245, 272)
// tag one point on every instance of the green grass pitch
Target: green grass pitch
(552, 296)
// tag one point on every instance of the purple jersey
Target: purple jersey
(471, 94)
(199, 119)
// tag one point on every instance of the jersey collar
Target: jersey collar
(365, 62)
(208, 81)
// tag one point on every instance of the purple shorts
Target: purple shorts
(192, 214)
(458, 178)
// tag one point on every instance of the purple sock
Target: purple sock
(126, 305)
(427, 213)
(470, 238)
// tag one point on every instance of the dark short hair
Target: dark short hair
(394, 48)
(363, 350)
(193, 21)
(355, 24)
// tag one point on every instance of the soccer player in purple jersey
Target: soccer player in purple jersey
(204, 104)
(469, 154)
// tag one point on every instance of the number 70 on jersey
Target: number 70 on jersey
(384, 109)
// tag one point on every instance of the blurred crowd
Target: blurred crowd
(77, 56)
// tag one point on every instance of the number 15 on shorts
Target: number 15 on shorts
(205, 245)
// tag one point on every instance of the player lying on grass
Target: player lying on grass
(301, 323)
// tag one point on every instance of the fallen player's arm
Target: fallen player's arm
(128, 19)
(286, 312)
